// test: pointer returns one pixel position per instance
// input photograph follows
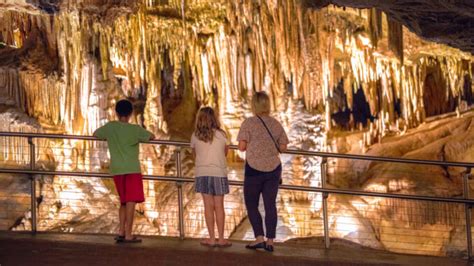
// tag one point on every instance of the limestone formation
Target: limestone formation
(340, 79)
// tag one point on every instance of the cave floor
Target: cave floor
(80, 249)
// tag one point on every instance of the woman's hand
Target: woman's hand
(242, 145)
(283, 147)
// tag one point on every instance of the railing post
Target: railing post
(324, 164)
(179, 185)
(467, 210)
(33, 185)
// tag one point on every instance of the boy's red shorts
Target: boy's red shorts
(129, 188)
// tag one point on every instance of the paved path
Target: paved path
(80, 249)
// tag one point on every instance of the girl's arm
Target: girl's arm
(242, 145)
(226, 149)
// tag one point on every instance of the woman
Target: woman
(263, 138)
(209, 143)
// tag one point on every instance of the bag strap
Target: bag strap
(270, 133)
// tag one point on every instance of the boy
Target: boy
(123, 140)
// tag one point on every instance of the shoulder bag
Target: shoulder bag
(273, 139)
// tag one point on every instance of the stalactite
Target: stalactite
(395, 38)
(375, 25)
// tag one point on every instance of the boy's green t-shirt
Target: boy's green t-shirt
(123, 140)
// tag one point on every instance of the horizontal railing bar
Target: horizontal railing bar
(240, 183)
(79, 137)
(291, 151)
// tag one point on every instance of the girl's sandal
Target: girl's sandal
(205, 242)
(225, 245)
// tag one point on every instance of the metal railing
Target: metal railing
(179, 180)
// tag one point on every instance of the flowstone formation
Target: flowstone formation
(340, 79)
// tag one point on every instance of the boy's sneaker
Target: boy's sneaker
(133, 240)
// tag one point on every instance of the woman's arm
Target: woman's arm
(283, 140)
(242, 145)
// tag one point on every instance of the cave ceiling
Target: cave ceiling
(448, 22)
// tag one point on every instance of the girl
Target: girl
(209, 144)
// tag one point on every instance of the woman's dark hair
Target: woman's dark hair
(124, 108)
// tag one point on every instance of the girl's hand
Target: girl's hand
(226, 150)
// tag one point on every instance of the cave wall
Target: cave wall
(66, 70)
(223, 51)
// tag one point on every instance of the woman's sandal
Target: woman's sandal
(119, 238)
(256, 246)
(269, 248)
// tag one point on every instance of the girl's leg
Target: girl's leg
(209, 215)
(220, 218)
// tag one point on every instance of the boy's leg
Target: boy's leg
(119, 181)
(129, 215)
(220, 217)
(122, 216)
(133, 195)
(209, 215)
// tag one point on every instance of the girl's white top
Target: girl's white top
(210, 157)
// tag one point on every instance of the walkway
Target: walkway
(80, 249)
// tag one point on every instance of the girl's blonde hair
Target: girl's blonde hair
(206, 124)
(260, 103)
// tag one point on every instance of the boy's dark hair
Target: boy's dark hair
(124, 108)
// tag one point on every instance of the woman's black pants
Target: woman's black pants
(266, 184)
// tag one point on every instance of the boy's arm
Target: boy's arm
(152, 136)
(100, 133)
(144, 135)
